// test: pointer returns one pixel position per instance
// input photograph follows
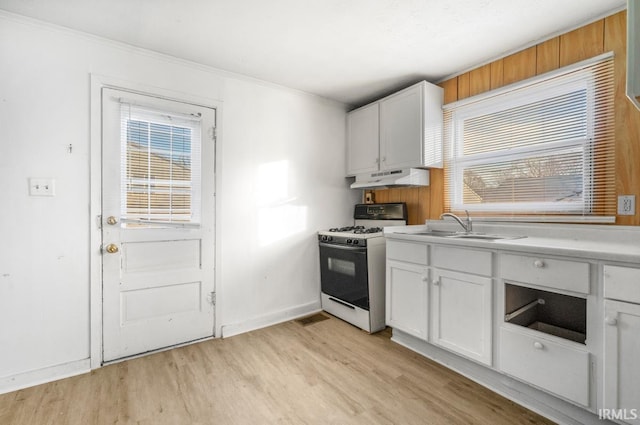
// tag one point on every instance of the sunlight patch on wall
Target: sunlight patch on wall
(278, 216)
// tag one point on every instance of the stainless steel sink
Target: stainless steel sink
(440, 233)
(483, 236)
(461, 235)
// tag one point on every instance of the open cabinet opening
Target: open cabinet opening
(556, 314)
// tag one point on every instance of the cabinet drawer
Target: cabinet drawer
(461, 259)
(559, 274)
(622, 283)
(559, 369)
(407, 251)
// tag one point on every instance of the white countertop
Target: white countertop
(593, 242)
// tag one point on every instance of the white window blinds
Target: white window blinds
(160, 167)
(542, 147)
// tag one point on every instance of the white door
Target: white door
(621, 366)
(461, 308)
(157, 223)
(363, 140)
(401, 129)
(407, 298)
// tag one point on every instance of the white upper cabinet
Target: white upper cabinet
(402, 130)
(362, 133)
(633, 56)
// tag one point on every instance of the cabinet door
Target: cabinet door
(407, 298)
(621, 365)
(401, 129)
(363, 140)
(461, 314)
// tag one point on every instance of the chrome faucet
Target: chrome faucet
(468, 226)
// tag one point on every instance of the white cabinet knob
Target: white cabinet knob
(425, 279)
(538, 264)
(538, 345)
(611, 321)
(436, 282)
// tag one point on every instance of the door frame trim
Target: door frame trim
(98, 82)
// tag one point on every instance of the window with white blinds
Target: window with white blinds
(543, 147)
(160, 167)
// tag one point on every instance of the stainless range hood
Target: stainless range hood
(392, 178)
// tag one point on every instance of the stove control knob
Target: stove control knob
(330, 238)
(349, 241)
(324, 237)
(356, 242)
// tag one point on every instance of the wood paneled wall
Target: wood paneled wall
(608, 34)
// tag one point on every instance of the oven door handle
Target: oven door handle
(343, 247)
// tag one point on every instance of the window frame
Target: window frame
(152, 115)
(516, 95)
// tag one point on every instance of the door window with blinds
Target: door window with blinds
(160, 177)
(538, 148)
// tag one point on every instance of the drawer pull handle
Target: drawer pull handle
(611, 321)
(342, 303)
(538, 345)
(538, 264)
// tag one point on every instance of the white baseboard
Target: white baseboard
(270, 319)
(41, 376)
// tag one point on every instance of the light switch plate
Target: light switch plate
(42, 187)
(627, 205)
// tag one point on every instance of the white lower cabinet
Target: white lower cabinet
(461, 311)
(567, 327)
(407, 296)
(621, 360)
(553, 366)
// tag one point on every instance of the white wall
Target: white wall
(45, 249)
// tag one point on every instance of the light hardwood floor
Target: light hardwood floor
(327, 372)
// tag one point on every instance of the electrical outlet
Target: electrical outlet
(42, 187)
(369, 198)
(627, 205)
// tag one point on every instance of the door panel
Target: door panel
(407, 298)
(161, 255)
(160, 301)
(158, 223)
(462, 314)
(401, 129)
(363, 140)
(621, 367)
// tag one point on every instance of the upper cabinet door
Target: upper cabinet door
(401, 118)
(363, 140)
(399, 131)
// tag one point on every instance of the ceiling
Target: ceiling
(352, 51)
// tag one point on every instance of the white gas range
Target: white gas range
(352, 265)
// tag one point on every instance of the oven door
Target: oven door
(343, 273)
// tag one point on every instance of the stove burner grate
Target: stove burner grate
(347, 229)
(358, 230)
(368, 230)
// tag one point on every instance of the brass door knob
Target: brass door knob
(112, 220)
(112, 248)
